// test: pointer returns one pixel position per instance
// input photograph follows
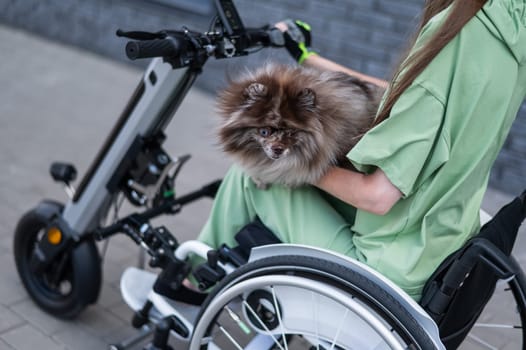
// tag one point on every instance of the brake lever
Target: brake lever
(179, 162)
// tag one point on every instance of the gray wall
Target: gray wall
(367, 35)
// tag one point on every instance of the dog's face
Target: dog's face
(276, 143)
(268, 116)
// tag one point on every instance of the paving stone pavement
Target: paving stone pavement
(59, 103)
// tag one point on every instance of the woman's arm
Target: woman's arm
(373, 193)
(322, 63)
(316, 61)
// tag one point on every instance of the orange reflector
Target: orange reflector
(54, 236)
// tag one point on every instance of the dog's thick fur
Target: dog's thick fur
(288, 125)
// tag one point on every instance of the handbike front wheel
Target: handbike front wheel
(299, 302)
(72, 280)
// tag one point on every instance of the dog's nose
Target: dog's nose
(278, 150)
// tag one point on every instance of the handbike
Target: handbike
(54, 242)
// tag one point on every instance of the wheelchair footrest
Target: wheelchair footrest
(135, 286)
(137, 291)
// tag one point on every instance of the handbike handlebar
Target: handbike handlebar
(152, 48)
(185, 48)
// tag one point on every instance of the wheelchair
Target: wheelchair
(297, 297)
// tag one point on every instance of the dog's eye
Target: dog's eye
(265, 132)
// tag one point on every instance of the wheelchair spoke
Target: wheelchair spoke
(278, 313)
(237, 320)
(315, 317)
(339, 329)
(500, 325)
(261, 323)
(482, 342)
(230, 337)
(495, 325)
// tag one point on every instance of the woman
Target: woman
(423, 168)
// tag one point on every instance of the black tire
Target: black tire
(80, 280)
(344, 279)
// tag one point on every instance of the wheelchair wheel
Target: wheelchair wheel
(501, 323)
(299, 302)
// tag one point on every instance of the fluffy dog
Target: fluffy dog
(288, 125)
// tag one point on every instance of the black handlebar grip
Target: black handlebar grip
(152, 48)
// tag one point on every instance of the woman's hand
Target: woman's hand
(297, 35)
(370, 192)
(300, 50)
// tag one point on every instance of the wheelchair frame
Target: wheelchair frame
(384, 314)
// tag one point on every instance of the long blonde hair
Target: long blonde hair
(461, 12)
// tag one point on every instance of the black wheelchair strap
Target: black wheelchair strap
(253, 235)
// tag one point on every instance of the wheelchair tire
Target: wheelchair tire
(247, 299)
(80, 278)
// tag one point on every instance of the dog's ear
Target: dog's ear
(306, 98)
(255, 91)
